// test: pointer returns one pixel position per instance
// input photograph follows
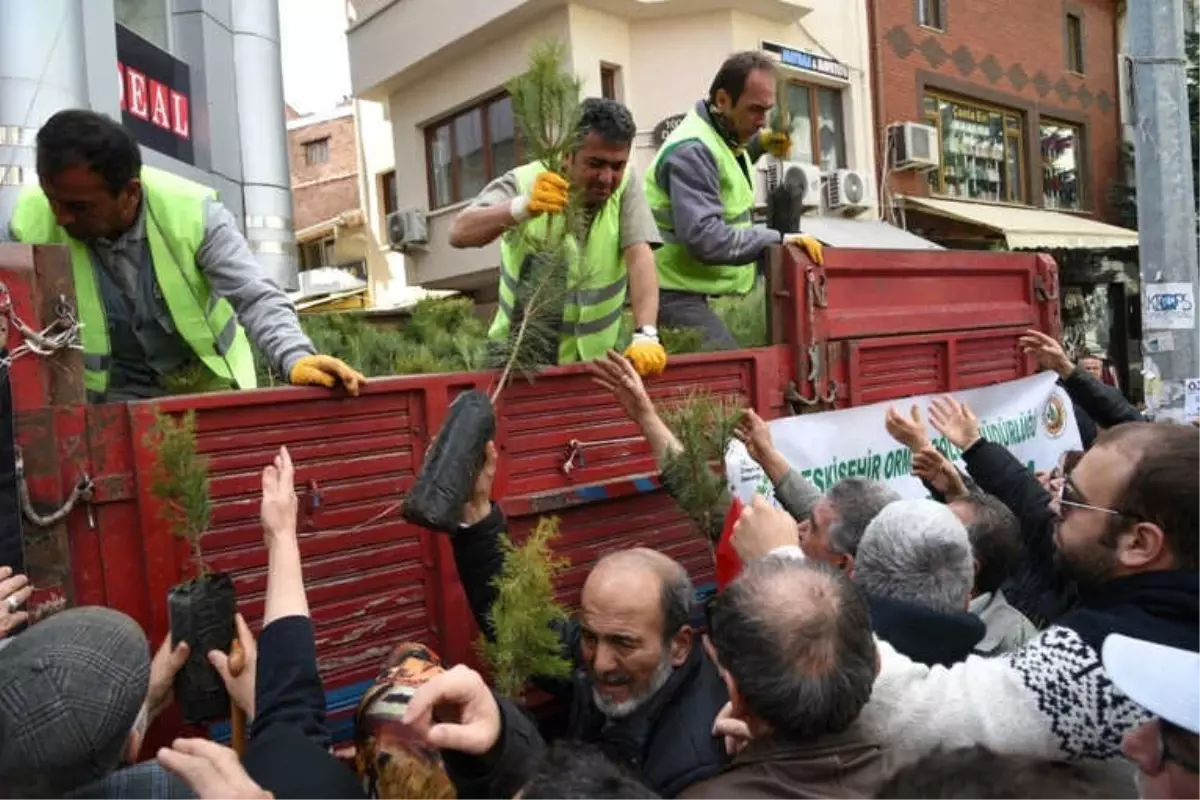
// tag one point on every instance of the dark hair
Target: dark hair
(796, 638)
(79, 137)
(733, 73)
(575, 771)
(995, 535)
(856, 501)
(1162, 484)
(978, 772)
(607, 118)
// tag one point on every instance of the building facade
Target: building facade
(197, 83)
(1025, 99)
(342, 198)
(452, 124)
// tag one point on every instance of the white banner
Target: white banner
(1032, 417)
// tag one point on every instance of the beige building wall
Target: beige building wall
(665, 63)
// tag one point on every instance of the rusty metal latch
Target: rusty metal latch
(575, 457)
(84, 490)
(1039, 288)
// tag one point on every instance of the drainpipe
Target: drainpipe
(879, 126)
(262, 134)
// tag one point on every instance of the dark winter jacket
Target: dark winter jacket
(923, 634)
(668, 741)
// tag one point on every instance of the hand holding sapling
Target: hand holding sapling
(241, 686)
(480, 504)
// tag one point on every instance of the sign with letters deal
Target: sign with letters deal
(155, 96)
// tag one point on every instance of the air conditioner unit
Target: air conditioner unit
(806, 178)
(913, 146)
(846, 190)
(407, 229)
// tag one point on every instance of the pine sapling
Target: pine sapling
(180, 481)
(525, 617)
(694, 475)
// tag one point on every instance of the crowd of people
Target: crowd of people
(1011, 635)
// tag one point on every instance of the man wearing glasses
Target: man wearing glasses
(1124, 532)
(1166, 682)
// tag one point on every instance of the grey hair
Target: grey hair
(856, 501)
(796, 638)
(917, 551)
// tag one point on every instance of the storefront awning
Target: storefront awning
(867, 234)
(1031, 228)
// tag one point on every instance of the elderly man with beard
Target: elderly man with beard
(642, 690)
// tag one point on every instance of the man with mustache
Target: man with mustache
(642, 689)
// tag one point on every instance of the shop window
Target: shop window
(146, 18)
(1075, 43)
(1062, 155)
(316, 151)
(981, 156)
(818, 125)
(931, 14)
(466, 151)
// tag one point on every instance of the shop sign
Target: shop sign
(664, 129)
(807, 61)
(155, 96)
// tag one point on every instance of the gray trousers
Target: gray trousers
(688, 310)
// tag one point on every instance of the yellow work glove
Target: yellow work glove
(326, 371)
(776, 143)
(811, 246)
(548, 196)
(646, 353)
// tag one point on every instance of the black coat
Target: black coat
(668, 741)
(926, 636)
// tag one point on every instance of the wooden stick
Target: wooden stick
(237, 717)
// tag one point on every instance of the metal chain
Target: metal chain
(84, 490)
(61, 334)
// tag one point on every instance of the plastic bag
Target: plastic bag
(452, 464)
(201, 614)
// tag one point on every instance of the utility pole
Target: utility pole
(1167, 235)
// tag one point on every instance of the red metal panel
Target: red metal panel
(368, 574)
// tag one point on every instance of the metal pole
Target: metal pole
(1166, 207)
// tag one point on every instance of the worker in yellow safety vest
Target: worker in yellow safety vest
(166, 286)
(521, 206)
(701, 192)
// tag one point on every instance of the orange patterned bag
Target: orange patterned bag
(392, 762)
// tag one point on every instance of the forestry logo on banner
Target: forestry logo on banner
(1054, 416)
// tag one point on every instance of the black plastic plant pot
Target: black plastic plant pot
(448, 475)
(202, 612)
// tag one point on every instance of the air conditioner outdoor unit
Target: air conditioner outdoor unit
(407, 229)
(805, 177)
(913, 146)
(846, 190)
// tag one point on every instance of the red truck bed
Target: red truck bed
(868, 326)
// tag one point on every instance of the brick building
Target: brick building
(323, 156)
(1025, 97)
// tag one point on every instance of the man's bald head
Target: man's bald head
(644, 567)
(795, 638)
